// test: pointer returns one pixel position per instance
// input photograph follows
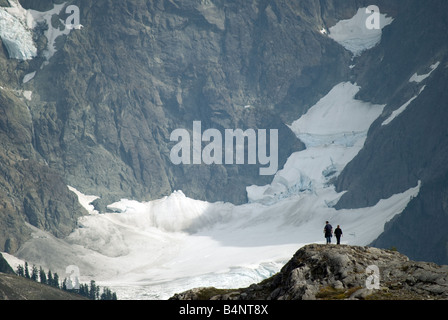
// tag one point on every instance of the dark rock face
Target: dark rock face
(342, 272)
(414, 147)
(397, 156)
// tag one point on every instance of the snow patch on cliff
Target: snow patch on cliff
(354, 35)
(16, 34)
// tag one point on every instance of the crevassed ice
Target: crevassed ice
(17, 37)
(155, 249)
(16, 24)
(417, 79)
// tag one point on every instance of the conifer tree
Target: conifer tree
(34, 273)
(84, 290)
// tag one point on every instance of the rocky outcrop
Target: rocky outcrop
(341, 272)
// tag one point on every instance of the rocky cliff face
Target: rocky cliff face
(341, 272)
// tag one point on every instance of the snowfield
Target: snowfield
(154, 249)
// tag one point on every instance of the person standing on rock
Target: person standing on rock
(328, 231)
(338, 234)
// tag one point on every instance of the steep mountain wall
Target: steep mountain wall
(139, 70)
(100, 106)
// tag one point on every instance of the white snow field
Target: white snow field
(155, 249)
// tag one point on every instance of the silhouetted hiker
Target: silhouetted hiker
(328, 230)
(338, 234)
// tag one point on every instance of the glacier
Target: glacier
(152, 250)
(16, 36)
(16, 30)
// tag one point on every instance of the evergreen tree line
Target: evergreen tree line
(91, 292)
